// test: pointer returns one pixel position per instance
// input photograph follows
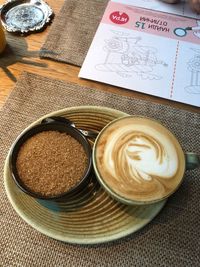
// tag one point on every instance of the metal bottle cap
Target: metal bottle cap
(25, 15)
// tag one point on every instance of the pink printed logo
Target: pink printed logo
(119, 17)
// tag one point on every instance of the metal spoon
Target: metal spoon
(86, 133)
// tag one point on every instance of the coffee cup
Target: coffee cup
(138, 160)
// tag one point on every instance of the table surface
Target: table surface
(22, 54)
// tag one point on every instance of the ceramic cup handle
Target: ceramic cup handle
(192, 160)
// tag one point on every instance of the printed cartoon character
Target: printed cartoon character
(197, 31)
(125, 56)
(194, 68)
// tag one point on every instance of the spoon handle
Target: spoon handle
(86, 133)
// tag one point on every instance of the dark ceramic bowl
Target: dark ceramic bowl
(51, 125)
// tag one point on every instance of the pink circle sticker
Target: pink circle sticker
(119, 17)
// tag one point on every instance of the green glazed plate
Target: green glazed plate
(91, 216)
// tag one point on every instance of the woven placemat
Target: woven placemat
(171, 239)
(73, 30)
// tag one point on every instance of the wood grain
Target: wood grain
(22, 54)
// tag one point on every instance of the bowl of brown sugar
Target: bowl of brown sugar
(51, 160)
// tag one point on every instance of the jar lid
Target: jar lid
(25, 15)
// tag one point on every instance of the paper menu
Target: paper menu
(182, 8)
(146, 51)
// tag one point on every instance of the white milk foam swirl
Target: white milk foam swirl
(140, 155)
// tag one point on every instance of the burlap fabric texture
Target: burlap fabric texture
(171, 239)
(73, 30)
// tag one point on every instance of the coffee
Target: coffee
(138, 159)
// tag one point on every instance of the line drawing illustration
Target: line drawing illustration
(193, 66)
(197, 32)
(127, 56)
(181, 32)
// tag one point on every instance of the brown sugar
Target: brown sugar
(51, 163)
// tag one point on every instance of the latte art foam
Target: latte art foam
(139, 159)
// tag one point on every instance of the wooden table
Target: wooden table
(22, 54)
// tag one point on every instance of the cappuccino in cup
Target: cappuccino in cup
(138, 160)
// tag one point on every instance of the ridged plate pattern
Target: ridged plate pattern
(91, 216)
